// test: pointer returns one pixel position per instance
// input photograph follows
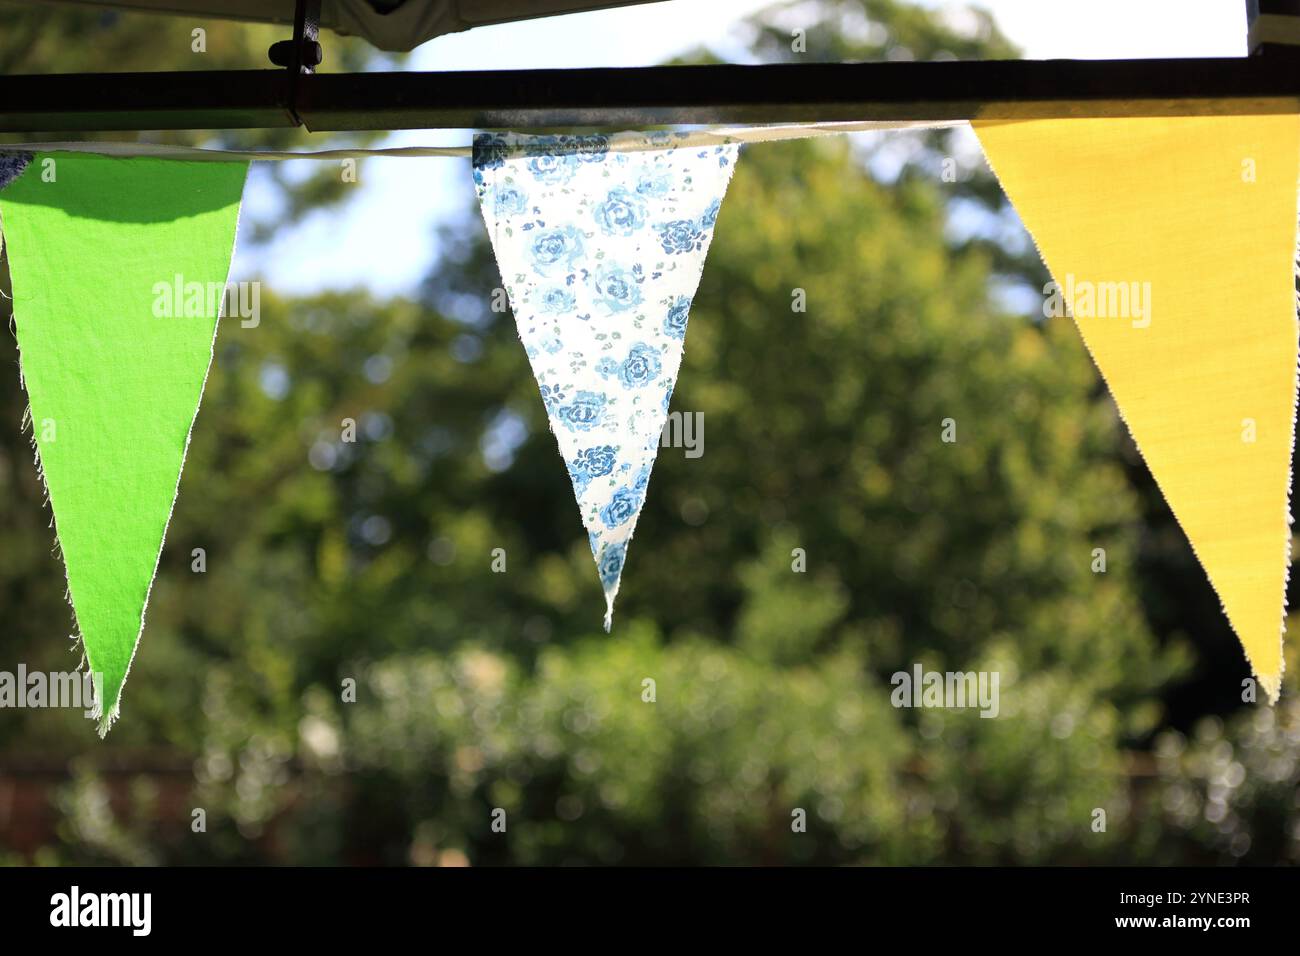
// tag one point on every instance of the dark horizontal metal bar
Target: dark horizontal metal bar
(211, 99)
(779, 93)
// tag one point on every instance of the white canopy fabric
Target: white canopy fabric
(394, 25)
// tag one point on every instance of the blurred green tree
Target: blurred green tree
(738, 697)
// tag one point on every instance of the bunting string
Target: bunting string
(1171, 242)
(617, 143)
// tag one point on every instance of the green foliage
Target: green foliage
(334, 565)
(1231, 789)
(595, 763)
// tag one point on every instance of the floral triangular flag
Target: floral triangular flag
(601, 241)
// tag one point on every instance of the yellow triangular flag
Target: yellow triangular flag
(1172, 242)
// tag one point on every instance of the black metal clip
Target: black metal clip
(303, 53)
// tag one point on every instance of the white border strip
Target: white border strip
(618, 142)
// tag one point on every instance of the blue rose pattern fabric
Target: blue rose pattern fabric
(601, 241)
(12, 165)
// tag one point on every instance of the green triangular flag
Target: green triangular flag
(119, 268)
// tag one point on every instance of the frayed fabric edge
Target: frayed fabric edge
(104, 720)
(492, 228)
(1272, 686)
